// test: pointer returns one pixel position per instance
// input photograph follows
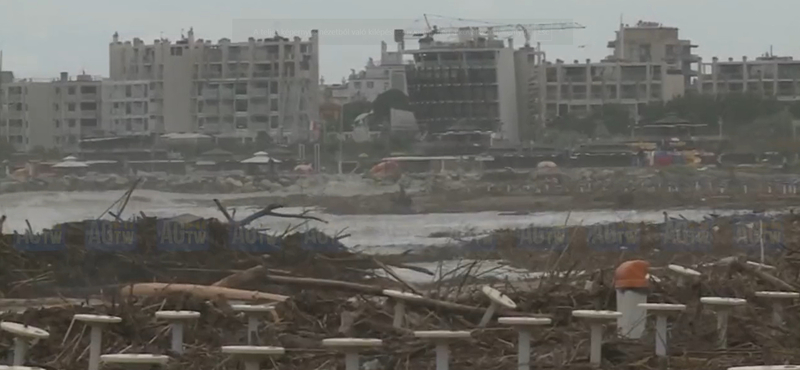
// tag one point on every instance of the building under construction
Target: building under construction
(468, 81)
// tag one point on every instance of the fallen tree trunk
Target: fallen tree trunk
(260, 271)
(760, 274)
(254, 273)
(199, 291)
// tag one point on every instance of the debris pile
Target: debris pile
(311, 315)
(329, 293)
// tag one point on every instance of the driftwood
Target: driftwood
(253, 273)
(760, 274)
(267, 211)
(394, 275)
(199, 291)
(260, 271)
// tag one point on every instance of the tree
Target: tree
(40, 151)
(615, 118)
(350, 112)
(263, 140)
(734, 109)
(771, 132)
(388, 100)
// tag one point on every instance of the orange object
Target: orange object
(632, 274)
(385, 168)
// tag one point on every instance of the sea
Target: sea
(371, 234)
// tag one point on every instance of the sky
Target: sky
(40, 38)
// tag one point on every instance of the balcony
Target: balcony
(89, 97)
(264, 74)
(210, 94)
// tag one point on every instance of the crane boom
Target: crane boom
(526, 29)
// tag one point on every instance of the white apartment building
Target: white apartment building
(373, 80)
(766, 75)
(126, 107)
(647, 42)
(52, 113)
(560, 88)
(225, 88)
(650, 63)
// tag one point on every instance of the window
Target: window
(58, 90)
(370, 84)
(57, 123)
(357, 84)
(176, 51)
(88, 106)
(71, 107)
(71, 123)
(55, 107)
(385, 86)
(71, 91)
(128, 91)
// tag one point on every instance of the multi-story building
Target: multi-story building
(126, 107)
(649, 63)
(374, 79)
(560, 88)
(229, 88)
(767, 75)
(5, 78)
(648, 42)
(52, 113)
(471, 81)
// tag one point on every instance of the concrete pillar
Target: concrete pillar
(631, 283)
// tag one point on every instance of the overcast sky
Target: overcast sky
(40, 38)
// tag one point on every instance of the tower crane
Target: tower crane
(526, 29)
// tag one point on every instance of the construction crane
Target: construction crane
(526, 29)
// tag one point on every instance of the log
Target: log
(769, 278)
(253, 273)
(199, 291)
(241, 277)
(326, 284)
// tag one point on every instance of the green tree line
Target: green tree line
(748, 119)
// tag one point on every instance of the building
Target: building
(526, 61)
(648, 42)
(560, 88)
(373, 80)
(225, 88)
(126, 107)
(5, 78)
(649, 63)
(766, 75)
(468, 81)
(54, 113)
